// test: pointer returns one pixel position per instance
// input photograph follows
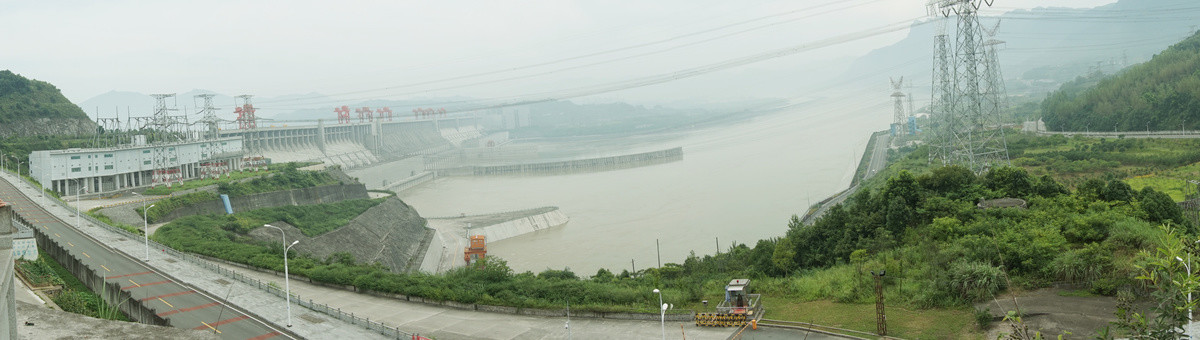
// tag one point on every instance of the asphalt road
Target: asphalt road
(877, 162)
(183, 306)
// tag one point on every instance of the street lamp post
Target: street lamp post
(287, 286)
(662, 313)
(146, 227)
(78, 191)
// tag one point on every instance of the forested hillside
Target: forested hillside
(31, 107)
(1161, 94)
(23, 98)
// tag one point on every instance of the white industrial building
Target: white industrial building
(113, 169)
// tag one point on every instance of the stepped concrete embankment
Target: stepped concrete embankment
(536, 219)
(445, 251)
(391, 234)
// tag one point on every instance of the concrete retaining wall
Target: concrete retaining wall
(8, 304)
(110, 292)
(409, 183)
(305, 196)
(521, 226)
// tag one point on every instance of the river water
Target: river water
(737, 183)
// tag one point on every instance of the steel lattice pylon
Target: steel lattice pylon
(900, 121)
(971, 133)
(943, 85)
(164, 127)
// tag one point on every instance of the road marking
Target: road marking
(72, 244)
(57, 235)
(168, 303)
(209, 326)
(85, 254)
(105, 268)
(126, 275)
(189, 309)
(222, 322)
(266, 336)
(169, 295)
(136, 285)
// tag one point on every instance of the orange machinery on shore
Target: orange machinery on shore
(476, 251)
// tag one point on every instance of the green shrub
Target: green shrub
(983, 318)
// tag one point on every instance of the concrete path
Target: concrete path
(446, 323)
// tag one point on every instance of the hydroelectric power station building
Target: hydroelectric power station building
(103, 170)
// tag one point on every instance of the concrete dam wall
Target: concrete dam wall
(572, 166)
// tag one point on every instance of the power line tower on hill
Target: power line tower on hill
(900, 119)
(972, 134)
(943, 85)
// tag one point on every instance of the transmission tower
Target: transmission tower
(942, 88)
(209, 168)
(163, 125)
(972, 134)
(900, 119)
(107, 130)
(208, 116)
(995, 79)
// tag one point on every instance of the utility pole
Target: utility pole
(880, 318)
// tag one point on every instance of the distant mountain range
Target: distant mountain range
(1045, 47)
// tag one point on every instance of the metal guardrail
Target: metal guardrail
(830, 330)
(333, 312)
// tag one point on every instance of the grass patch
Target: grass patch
(1177, 188)
(108, 220)
(38, 272)
(197, 183)
(1076, 293)
(77, 298)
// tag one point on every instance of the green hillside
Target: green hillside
(23, 98)
(1161, 94)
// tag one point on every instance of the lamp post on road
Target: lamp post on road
(287, 286)
(145, 224)
(662, 310)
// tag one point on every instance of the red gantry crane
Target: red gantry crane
(365, 113)
(384, 112)
(245, 116)
(343, 114)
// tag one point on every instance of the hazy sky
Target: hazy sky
(272, 48)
